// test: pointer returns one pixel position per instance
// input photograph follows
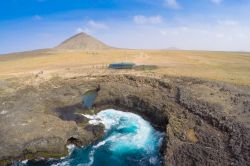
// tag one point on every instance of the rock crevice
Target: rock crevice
(205, 122)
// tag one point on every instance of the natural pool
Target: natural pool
(129, 140)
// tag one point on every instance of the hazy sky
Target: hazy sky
(150, 24)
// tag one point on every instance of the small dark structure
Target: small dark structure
(121, 65)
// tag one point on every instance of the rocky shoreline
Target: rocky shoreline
(206, 123)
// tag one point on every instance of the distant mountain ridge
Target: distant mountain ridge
(173, 48)
(82, 41)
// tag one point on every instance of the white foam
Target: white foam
(153, 160)
(140, 136)
(93, 119)
(99, 144)
(64, 163)
(91, 158)
(111, 118)
(24, 161)
(94, 122)
(131, 132)
(89, 116)
(70, 148)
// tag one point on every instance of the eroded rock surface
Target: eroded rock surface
(206, 123)
(30, 126)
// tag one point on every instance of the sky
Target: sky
(219, 25)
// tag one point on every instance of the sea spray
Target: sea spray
(128, 140)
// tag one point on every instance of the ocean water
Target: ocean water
(129, 140)
(89, 98)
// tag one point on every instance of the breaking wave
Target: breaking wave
(129, 140)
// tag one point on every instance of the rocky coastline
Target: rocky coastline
(206, 123)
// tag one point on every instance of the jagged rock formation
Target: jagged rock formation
(197, 117)
(82, 41)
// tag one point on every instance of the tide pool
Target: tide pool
(129, 140)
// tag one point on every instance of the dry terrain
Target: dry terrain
(232, 67)
(200, 99)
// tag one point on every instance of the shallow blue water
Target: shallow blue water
(129, 140)
(89, 98)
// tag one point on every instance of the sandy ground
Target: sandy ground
(190, 95)
(232, 67)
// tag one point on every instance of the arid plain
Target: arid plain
(231, 67)
(199, 99)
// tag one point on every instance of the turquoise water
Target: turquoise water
(129, 140)
(89, 98)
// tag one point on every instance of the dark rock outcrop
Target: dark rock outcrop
(206, 123)
(181, 107)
